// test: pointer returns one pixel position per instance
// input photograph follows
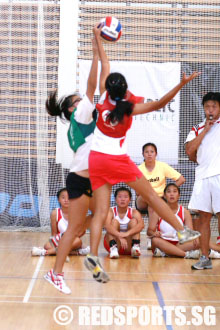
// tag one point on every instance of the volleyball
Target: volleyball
(111, 28)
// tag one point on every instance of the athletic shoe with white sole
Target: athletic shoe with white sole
(193, 254)
(187, 235)
(38, 251)
(203, 263)
(159, 253)
(114, 252)
(135, 251)
(92, 263)
(57, 280)
(214, 254)
(84, 251)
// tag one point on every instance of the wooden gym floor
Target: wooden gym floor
(27, 301)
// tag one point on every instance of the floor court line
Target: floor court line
(63, 297)
(144, 273)
(116, 281)
(161, 303)
(196, 274)
(33, 280)
(55, 302)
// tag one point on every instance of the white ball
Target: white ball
(111, 28)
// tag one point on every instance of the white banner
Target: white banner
(151, 80)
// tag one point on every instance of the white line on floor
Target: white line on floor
(33, 280)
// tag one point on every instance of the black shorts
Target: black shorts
(77, 186)
(145, 211)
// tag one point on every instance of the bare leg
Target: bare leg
(215, 247)
(141, 204)
(78, 208)
(133, 224)
(196, 223)
(77, 243)
(204, 228)
(102, 204)
(50, 249)
(143, 187)
(189, 245)
(116, 225)
(152, 216)
(167, 247)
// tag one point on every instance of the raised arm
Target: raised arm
(156, 105)
(105, 65)
(92, 79)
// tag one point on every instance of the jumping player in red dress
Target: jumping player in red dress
(109, 163)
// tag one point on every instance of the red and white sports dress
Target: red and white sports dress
(108, 161)
(123, 221)
(62, 223)
(167, 231)
(123, 227)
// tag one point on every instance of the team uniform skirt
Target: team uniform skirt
(112, 169)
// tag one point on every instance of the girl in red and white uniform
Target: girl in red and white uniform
(164, 237)
(109, 163)
(123, 226)
(59, 224)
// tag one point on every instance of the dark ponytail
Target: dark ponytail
(122, 108)
(116, 86)
(57, 108)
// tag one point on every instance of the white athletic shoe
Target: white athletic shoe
(187, 235)
(114, 252)
(135, 251)
(214, 254)
(159, 253)
(84, 251)
(203, 263)
(38, 251)
(193, 254)
(57, 280)
(93, 264)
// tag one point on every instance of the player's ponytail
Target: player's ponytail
(116, 86)
(59, 107)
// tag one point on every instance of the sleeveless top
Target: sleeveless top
(62, 223)
(167, 231)
(109, 138)
(125, 220)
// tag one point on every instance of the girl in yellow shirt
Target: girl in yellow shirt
(156, 173)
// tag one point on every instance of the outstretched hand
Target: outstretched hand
(186, 79)
(97, 30)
